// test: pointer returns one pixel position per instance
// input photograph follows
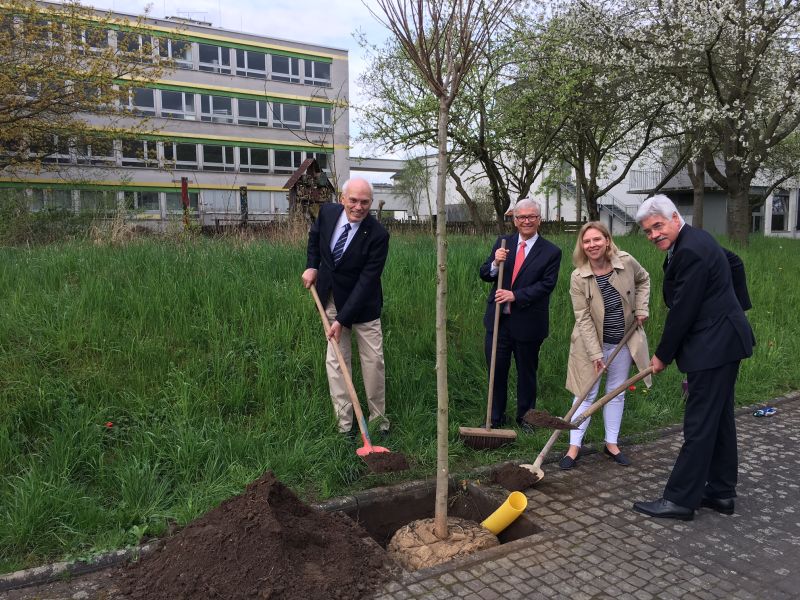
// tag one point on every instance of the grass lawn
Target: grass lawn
(144, 383)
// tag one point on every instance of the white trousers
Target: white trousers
(369, 338)
(615, 375)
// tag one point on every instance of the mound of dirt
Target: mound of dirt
(513, 478)
(262, 544)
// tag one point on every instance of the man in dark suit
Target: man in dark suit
(347, 249)
(529, 277)
(707, 334)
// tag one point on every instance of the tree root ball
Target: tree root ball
(416, 546)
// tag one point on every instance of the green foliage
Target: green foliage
(143, 384)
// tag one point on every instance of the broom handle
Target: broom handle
(575, 405)
(493, 359)
(345, 371)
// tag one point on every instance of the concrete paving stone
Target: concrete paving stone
(639, 580)
(463, 575)
(447, 579)
(478, 570)
(460, 589)
(416, 589)
(474, 585)
(489, 594)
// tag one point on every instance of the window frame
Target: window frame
(210, 67)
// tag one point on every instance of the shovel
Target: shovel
(546, 420)
(368, 448)
(536, 467)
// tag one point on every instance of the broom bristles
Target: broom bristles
(480, 438)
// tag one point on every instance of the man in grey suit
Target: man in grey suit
(707, 334)
(347, 250)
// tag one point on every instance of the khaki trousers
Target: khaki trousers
(369, 339)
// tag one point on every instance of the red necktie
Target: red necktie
(518, 260)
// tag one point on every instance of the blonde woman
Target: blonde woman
(610, 292)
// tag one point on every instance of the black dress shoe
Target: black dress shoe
(527, 428)
(721, 505)
(618, 458)
(567, 462)
(664, 509)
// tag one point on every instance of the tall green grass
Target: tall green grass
(140, 385)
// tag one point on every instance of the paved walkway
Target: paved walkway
(594, 546)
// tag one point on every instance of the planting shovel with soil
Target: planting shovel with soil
(377, 458)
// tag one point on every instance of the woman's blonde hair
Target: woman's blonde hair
(579, 257)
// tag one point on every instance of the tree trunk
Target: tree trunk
(738, 202)
(442, 401)
(577, 200)
(697, 174)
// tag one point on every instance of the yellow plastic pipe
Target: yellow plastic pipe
(507, 513)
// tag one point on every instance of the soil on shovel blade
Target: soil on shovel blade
(263, 544)
(513, 478)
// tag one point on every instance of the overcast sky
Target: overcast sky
(326, 22)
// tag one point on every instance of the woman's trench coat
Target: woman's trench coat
(633, 284)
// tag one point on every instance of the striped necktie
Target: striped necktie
(338, 249)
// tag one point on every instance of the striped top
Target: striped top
(614, 320)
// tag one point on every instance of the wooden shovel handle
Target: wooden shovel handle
(351, 390)
(598, 404)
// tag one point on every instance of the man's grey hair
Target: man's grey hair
(528, 203)
(657, 206)
(345, 185)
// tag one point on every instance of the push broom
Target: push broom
(486, 438)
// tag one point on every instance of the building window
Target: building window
(253, 112)
(285, 115)
(218, 158)
(177, 105)
(216, 109)
(318, 118)
(138, 153)
(98, 201)
(93, 39)
(57, 153)
(253, 160)
(175, 203)
(50, 200)
(96, 152)
(180, 156)
(285, 68)
(142, 201)
(780, 211)
(317, 73)
(251, 64)
(214, 59)
(178, 52)
(142, 101)
(287, 161)
(137, 45)
(323, 159)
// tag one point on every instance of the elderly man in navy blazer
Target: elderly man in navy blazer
(707, 334)
(347, 249)
(530, 275)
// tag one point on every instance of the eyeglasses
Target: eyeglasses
(527, 217)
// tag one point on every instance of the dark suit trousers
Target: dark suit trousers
(526, 358)
(708, 460)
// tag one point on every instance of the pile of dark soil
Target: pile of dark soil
(386, 462)
(513, 478)
(262, 544)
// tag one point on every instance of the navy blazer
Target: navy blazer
(356, 281)
(706, 326)
(530, 311)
